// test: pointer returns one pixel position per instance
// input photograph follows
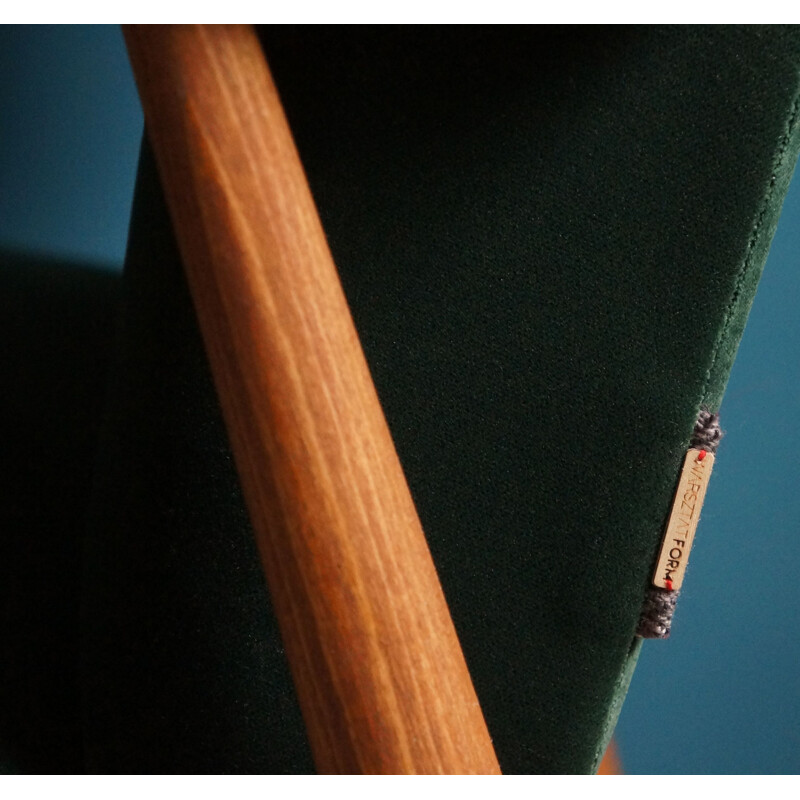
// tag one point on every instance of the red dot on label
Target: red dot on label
(701, 455)
(669, 585)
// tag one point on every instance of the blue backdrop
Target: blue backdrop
(723, 694)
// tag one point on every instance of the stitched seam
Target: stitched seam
(755, 236)
(617, 699)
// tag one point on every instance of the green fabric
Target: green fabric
(550, 240)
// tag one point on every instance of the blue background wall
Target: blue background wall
(70, 127)
(723, 694)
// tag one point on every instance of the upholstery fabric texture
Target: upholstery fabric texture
(550, 240)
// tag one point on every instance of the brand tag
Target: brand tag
(682, 524)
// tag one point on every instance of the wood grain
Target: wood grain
(379, 672)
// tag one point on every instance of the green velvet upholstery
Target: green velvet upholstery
(550, 240)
